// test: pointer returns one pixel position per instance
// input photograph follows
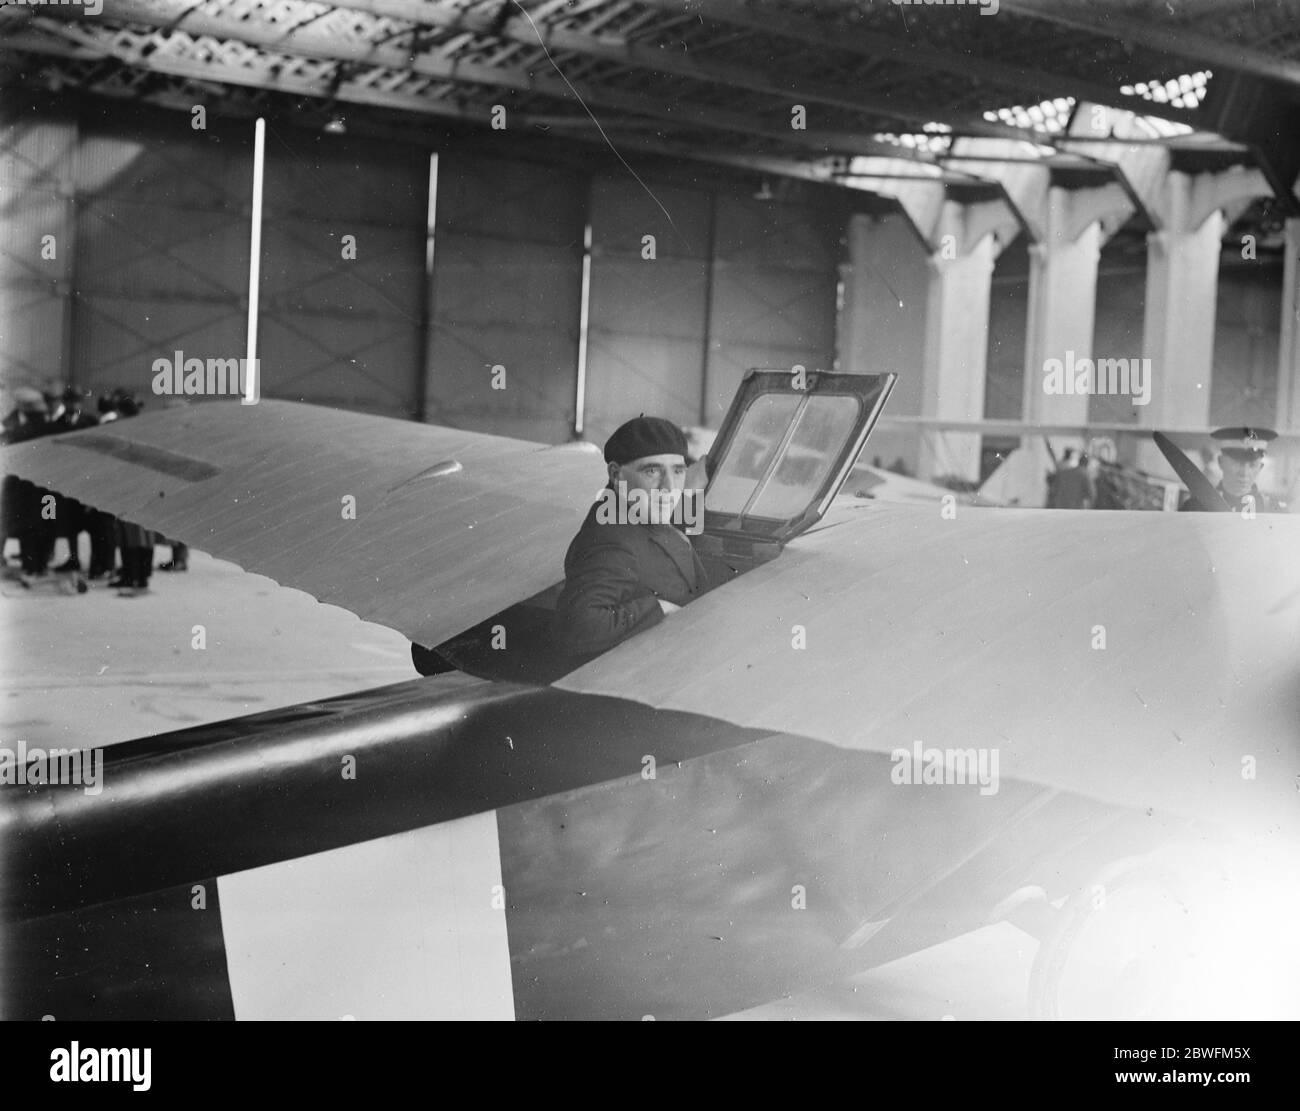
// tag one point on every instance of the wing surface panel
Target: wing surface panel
(1142, 659)
(449, 526)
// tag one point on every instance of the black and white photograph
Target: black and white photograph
(650, 510)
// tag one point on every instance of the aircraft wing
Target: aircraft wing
(1137, 658)
(1149, 660)
(994, 427)
(1144, 660)
(868, 481)
(423, 529)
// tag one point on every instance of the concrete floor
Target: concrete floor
(103, 669)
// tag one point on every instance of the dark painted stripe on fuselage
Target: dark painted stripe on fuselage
(626, 895)
(160, 955)
(223, 798)
(735, 879)
(668, 897)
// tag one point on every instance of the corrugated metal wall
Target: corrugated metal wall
(882, 327)
(36, 200)
(151, 219)
(646, 332)
(152, 225)
(162, 245)
(775, 271)
(507, 289)
(336, 330)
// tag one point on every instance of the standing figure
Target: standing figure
(1242, 451)
(74, 518)
(136, 542)
(1072, 486)
(22, 502)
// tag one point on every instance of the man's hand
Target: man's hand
(667, 606)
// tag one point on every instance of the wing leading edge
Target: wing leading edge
(423, 529)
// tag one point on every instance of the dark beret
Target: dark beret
(644, 436)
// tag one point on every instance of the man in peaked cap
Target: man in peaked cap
(630, 564)
(1241, 458)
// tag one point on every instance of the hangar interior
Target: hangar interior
(538, 218)
(627, 203)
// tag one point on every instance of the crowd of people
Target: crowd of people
(121, 553)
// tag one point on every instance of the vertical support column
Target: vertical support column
(67, 282)
(252, 379)
(1060, 325)
(584, 321)
(1178, 328)
(955, 356)
(1284, 462)
(854, 326)
(710, 261)
(427, 306)
(1288, 366)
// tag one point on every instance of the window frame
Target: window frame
(870, 391)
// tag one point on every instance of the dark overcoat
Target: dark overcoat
(614, 576)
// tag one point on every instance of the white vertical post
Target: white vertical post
(584, 317)
(1288, 367)
(431, 215)
(1178, 323)
(955, 356)
(251, 384)
(428, 295)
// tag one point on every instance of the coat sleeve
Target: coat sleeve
(604, 601)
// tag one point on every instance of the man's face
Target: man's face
(1239, 474)
(662, 476)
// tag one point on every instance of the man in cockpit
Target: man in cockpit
(632, 563)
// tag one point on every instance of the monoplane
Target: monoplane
(885, 726)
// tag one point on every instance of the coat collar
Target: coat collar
(680, 550)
